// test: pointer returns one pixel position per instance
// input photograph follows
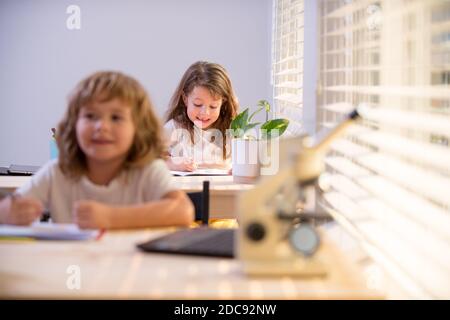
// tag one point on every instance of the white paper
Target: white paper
(201, 172)
(48, 231)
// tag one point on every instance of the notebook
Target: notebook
(48, 231)
(201, 241)
(201, 172)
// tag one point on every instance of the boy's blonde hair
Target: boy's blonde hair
(105, 86)
(213, 77)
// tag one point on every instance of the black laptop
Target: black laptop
(4, 171)
(22, 170)
(202, 241)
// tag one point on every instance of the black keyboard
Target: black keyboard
(201, 241)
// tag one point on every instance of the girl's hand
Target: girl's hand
(90, 214)
(183, 164)
(21, 211)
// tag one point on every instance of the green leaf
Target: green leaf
(241, 132)
(265, 104)
(251, 126)
(240, 121)
(269, 128)
(237, 133)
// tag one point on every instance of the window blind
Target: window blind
(390, 176)
(287, 61)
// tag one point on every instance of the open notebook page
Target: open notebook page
(202, 172)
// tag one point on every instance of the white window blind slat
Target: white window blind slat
(438, 92)
(346, 207)
(346, 167)
(290, 84)
(289, 98)
(347, 187)
(342, 108)
(287, 72)
(349, 148)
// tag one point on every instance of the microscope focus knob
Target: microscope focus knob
(256, 231)
(304, 239)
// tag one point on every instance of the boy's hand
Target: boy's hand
(92, 215)
(21, 211)
(184, 164)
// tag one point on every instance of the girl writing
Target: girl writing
(199, 114)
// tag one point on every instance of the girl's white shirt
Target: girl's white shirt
(58, 193)
(206, 151)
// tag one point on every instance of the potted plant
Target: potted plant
(246, 143)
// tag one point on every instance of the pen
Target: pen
(17, 239)
(101, 232)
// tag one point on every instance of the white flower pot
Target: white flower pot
(245, 160)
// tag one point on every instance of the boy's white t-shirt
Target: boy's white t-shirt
(206, 149)
(58, 193)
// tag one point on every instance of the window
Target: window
(287, 62)
(390, 176)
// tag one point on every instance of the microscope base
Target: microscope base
(300, 267)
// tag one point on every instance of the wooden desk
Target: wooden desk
(114, 268)
(10, 183)
(223, 191)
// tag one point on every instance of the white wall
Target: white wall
(153, 40)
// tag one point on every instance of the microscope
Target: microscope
(274, 237)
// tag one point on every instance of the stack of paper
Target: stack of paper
(48, 231)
